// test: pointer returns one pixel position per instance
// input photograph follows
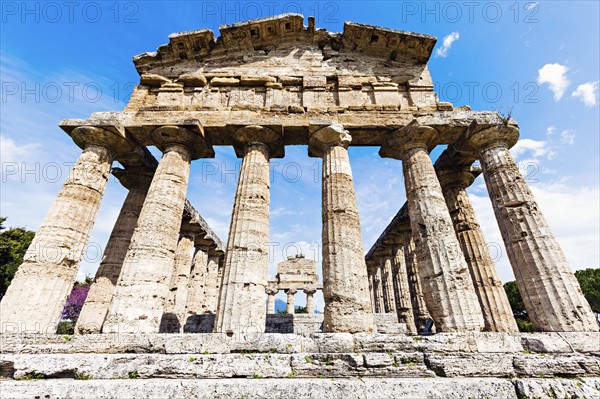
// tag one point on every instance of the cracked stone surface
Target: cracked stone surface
(138, 303)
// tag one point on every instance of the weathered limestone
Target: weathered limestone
(36, 296)
(388, 288)
(497, 313)
(417, 298)
(371, 277)
(138, 303)
(95, 308)
(551, 293)
(378, 288)
(242, 302)
(198, 280)
(175, 313)
(443, 272)
(290, 308)
(310, 301)
(402, 295)
(271, 300)
(211, 286)
(345, 285)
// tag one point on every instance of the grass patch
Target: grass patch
(33, 376)
(134, 374)
(82, 376)
(192, 359)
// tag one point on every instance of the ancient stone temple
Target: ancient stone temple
(259, 87)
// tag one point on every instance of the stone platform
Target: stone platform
(476, 365)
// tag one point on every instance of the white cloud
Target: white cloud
(555, 76)
(536, 149)
(447, 44)
(550, 130)
(567, 137)
(587, 93)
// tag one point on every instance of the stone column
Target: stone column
(404, 308)
(242, 296)
(36, 296)
(310, 301)
(443, 271)
(211, 286)
(290, 308)
(497, 313)
(198, 280)
(388, 288)
(417, 298)
(95, 308)
(271, 300)
(175, 313)
(138, 303)
(550, 292)
(345, 285)
(370, 275)
(378, 288)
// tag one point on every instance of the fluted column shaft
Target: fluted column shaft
(401, 291)
(241, 305)
(138, 303)
(497, 313)
(175, 313)
(36, 296)
(550, 292)
(211, 287)
(388, 285)
(310, 301)
(197, 284)
(95, 308)
(378, 289)
(419, 306)
(370, 275)
(345, 285)
(271, 301)
(443, 271)
(290, 308)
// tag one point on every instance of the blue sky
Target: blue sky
(537, 60)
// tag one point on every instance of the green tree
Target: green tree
(589, 280)
(14, 242)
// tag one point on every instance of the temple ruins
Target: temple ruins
(259, 87)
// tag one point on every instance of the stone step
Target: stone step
(309, 388)
(300, 365)
(295, 343)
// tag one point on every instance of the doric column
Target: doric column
(404, 308)
(378, 288)
(211, 286)
(271, 292)
(419, 306)
(198, 280)
(36, 296)
(443, 271)
(138, 303)
(242, 296)
(388, 287)
(550, 292)
(175, 314)
(371, 277)
(290, 308)
(497, 313)
(345, 285)
(95, 308)
(310, 301)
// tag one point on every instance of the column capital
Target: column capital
(113, 138)
(258, 135)
(413, 135)
(291, 291)
(328, 136)
(271, 291)
(479, 139)
(133, 177)
(189, 136)
(461, 177)
(309, 291)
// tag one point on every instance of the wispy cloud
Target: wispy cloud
(567, 136)
(535, 149)
(447, 44)
(587, 93)
(555, 76)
